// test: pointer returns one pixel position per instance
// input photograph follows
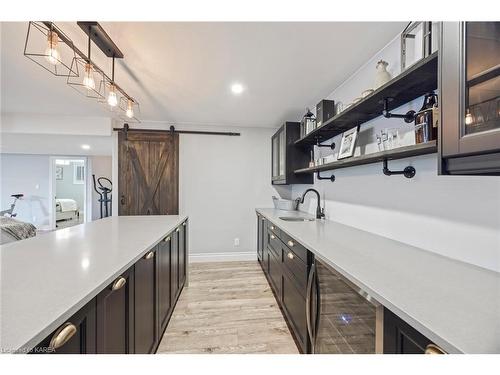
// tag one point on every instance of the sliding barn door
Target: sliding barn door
(148, 165)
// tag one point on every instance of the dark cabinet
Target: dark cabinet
(145, 332)
(164, 298)
(174, 266)
(294, 305)
(182, 254)
(115, 316)
(469, 80)
(260, 238)
(76, 336)
(286, 157)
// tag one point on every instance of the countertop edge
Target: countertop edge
(35, 340)
(442, 342)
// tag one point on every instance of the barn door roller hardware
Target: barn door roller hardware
(408, 117)
(172, 130)
(408, 172)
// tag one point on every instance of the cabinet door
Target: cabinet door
(115, 312)
(259, 238)
(182, 254)
(145, 303)
(163, 264)
(295, 308)
(401, 338)
(76, 336)
(275, 155)
(174, 266)
(275, 274)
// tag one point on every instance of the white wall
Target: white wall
(456, 216)
(28, 175)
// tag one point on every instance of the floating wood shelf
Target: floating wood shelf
(414, 82)
(397, 153)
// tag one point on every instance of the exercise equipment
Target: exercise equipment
(10, 211)
(104, 192)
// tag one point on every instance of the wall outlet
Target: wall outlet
(236, 242)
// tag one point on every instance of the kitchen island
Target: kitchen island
(454, 304)
(47, 279)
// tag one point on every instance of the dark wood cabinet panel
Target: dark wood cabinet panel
(82, 328)
(275, 274)
(174, 266)
(182, 254)
(401, 338)
(164, 298)
(294, 305)
(115, 316)
(286, 157)
(145, 333)
(260, 234)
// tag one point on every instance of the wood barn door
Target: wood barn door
(148, 167)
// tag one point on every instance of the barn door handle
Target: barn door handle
(122, 199)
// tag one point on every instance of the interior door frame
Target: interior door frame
(87, 188)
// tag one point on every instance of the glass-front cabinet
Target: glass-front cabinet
(470, 98)
(286, 157)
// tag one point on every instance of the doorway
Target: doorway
(148, 173)
(69, 191)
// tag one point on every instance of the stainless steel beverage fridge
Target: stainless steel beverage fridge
(340, 317)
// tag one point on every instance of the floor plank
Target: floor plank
(227, 308)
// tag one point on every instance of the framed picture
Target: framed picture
(59, 173)
(348, 143)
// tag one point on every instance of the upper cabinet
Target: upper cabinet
(469, 77)
(287, 157)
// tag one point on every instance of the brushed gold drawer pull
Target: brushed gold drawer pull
(62, 335)
(290, 243)
(272, 236)
(166, 239)
(184, 224)
(434, 349)
(272, 227)
(149, 255)
(290, 255)
(177, 230)
(119, 283)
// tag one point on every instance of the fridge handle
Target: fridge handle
(318, 305)
(310, 332)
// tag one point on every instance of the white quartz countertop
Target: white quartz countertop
(454, 304)
(46, 279)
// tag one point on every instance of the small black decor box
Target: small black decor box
(325, 110)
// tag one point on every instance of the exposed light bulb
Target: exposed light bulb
(112, 98)
(468, 118)
(51, 53)
(129, 112)
(88, 78)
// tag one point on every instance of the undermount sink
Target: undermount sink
(294, 218)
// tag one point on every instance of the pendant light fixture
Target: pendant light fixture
(50, 48)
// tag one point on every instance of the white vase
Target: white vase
(382, 76)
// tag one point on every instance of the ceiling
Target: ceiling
(182, 72)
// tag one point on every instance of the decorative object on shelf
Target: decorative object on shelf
(339, 107)
(409, 116)
(319, 161)
(328, 159)
(387, 139)
(382, 76)
(311, 163)
(62, 58)
(348, 143)
(426, 120)
(367, 92)
(357, 100)
(325, 110)
(308, 123)
(416, 43)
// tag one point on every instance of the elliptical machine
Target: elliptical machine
(104, 195)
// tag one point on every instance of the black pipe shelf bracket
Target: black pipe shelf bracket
(319, 177)
(318, 144)
(408, 117)
(408, 172)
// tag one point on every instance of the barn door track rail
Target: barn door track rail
(172, 130)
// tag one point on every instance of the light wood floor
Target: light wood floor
(227, 308)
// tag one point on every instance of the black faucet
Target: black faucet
(320, 213)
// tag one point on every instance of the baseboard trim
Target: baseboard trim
(223, 257)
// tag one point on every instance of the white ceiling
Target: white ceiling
(182, 72)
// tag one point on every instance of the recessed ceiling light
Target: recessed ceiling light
(237, 88)
(86, 147)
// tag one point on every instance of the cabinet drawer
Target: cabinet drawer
(274, 244)
(275, 274)
(295, 308)
(296, 247)
(296, 268)
(273, 228)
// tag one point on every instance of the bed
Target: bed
(66, 209)
(14, 230)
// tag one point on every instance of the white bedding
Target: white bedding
(66, 205)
